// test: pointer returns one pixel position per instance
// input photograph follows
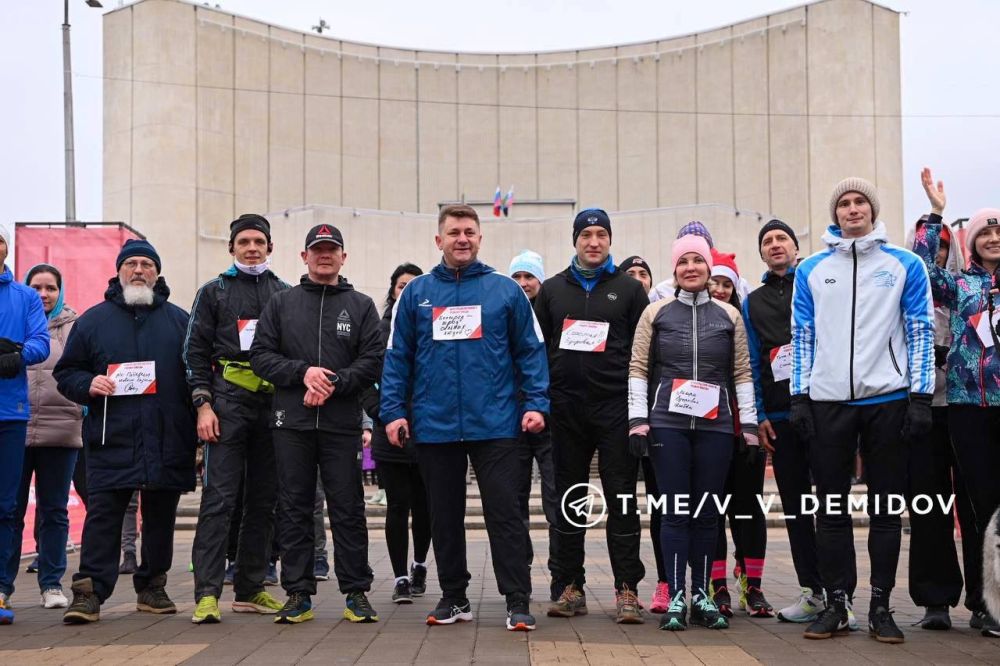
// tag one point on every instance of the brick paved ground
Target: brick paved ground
(126, 637)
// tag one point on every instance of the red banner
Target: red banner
(84, 255)
(76, 515)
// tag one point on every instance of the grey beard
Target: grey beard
(137, 295)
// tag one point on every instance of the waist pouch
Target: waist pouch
(238, 373)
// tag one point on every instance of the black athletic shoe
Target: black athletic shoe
(154, 598)
(32, 566)
(450, 611)
(882, 627)
(832, 621)
(402, 594)
(418, 580)
(757, 605)
(519, 618)
(936, 618)
(128, 565)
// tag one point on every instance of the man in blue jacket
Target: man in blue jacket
(24, 341)
(465, 373)
(862, 371)
(138, 435)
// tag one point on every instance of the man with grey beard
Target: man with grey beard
(139, 429)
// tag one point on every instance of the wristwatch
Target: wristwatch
(334, 379)
(200, 400)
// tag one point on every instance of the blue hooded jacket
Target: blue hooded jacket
(464, 390)
(22, 319)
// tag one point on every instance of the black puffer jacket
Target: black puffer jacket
(213, 332)
(330, 326)
(149, 440)
(617, 298)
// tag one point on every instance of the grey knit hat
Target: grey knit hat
(854, 184)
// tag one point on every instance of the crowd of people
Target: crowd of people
(863, 348)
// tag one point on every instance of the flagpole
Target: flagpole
(104, 422)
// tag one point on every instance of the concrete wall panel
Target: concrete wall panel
(598, 159)
(398, 155)
(438, 154)
(361, 144)
(286, 151)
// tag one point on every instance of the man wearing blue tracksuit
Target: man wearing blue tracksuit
(24, 341)
(862, 371)
(465, 373)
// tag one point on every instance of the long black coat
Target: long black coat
(150, 440)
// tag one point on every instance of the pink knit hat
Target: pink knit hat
(977, 223)
(691, 243)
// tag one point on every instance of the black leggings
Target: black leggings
(404, 492)
(746, 519)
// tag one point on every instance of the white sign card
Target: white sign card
(137, 378)
(694, 398)
(981, 322)
(781, 363)
(247, 329)
(585, 336)
(458, 322)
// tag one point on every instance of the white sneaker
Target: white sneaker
(806, 609)
(54, 598)
(5, 598)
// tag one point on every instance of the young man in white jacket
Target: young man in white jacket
(862, 374)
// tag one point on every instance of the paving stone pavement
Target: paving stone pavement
(124, 636)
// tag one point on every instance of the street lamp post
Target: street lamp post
(68, 113)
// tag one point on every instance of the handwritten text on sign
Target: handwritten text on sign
(585, 336)
(247, 329)
(694, 398)
(458, 322)
(781, 363)
(138, 378)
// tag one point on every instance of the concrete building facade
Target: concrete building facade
(209, 115)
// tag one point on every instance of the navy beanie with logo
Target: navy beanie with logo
(591, 217)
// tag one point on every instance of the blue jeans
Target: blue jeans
(12, 434)
(52, 468)
(692, 463)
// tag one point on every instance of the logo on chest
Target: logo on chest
(344, 324)
(884, 279)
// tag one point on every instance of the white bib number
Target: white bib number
(247, 329)
(693, 398)
(781, 363)
(458, 322)
(585, 336)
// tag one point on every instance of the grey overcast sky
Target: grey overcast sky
(950, 65)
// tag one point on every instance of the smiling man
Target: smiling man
(464, 376)
(319, 344)
(862, 370)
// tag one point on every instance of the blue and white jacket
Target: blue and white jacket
(464, 390)
(862, 322)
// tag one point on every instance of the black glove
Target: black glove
(801, 417)
(10, 365)
(7, 346)
(917, 421)
(940, 356)
(637, 445)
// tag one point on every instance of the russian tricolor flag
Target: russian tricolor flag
(508, 201)
(497, 202)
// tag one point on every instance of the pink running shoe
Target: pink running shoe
(661, 599)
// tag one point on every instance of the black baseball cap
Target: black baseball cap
(324, 233)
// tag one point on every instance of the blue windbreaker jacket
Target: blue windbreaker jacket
(464, 390)
(22, 319)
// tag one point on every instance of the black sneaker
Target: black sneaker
(154, 598)
(230, 574)
(936, 618)
(86, 607)
(450, 611)
(271, 577)
(418, 580)
(128, 565)
(518, 616)
(832, 621)
(675, 619)
(979, 619)
(987, 625)
(298, 608)
(32, 566)
(359, 609)
(321, 568)
(723, 600)
(882, 627)
(402, 593)
(706, 613)
(757, 605)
